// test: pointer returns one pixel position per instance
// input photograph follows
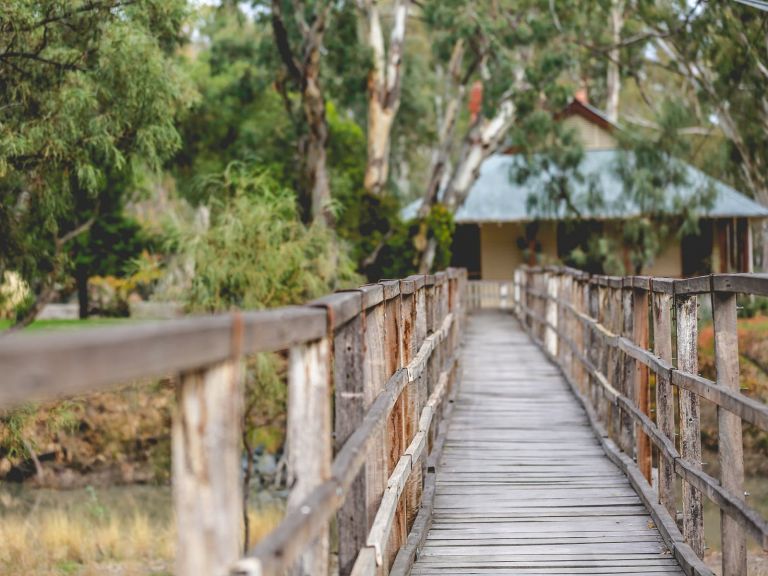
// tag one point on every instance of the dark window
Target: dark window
(466, 249)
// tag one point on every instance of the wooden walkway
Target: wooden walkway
(523, 486)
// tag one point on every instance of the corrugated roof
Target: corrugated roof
(496, 197)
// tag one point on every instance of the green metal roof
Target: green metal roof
(496, 197)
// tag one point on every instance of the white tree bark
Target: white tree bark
(483, 139)
(613, 82)
(384, 83)
(456, 88)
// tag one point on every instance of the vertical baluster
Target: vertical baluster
(640, 338)
(690, 428)
(593, 351)
(349, 404)
(206, 462)
(580, 306)
(615, 363)
(309, 438)
(665, 406)
(552, 290)
(374, 377)
(396, 438)
(730, 445)
(627, 434)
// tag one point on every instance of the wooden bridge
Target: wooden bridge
(437, 425)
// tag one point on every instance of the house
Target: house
(496, 231)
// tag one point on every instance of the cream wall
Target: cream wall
(592, 136)
(668, 263)
(499, 253)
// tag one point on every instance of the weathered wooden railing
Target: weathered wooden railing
(490, 294)
(369, 371)
(599, 330)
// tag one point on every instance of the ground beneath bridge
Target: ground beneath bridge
(523, 486)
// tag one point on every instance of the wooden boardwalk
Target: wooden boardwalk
(523, 486)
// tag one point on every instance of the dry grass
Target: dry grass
(263, 522)
(54, 542)
(57, 542)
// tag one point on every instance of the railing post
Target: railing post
(579, 302)
(408, 314)
(206, 462)
(730, 446)
(374, 379)
(690, 430)
(553, 291)
(640, 338)
(627, 384)
(308, 438)
(616, 356)
(352, 518)
(593, 354)
(396, 440)
(665, 406)
(603, 317)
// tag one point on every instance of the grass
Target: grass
(68, 324)
(91, 539)
(53, 542)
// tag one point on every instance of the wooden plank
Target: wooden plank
(207, 490)
(627, 385)
(665, 406)
(374, 378)
(690, 426)
(642, 400)
(522, 486)
(56, 365)
(352, 518)
(730, 447)
(396, 432)
(308, 440)
(553, 288)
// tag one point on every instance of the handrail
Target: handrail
(596, 328)
(383, 357)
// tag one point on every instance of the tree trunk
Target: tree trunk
(441, 158)
(483, 139)
(613, 83)
(316, 168)
(305, 73)
(81, 279)
(384, 82)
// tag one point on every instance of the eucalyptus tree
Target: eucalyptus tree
(515, 50)
(90, 93)
(384, 85)
(718, 49)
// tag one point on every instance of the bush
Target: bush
(256, 253)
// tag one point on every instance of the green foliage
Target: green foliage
(654, 182)
(257, 253)
(91, 93)
(399, 256)
(14, 425)
(239, 115)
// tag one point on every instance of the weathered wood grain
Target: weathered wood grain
(308, 439)
(350, 408)
(522, 486)
(730, 447)
(207, 490)
(690, 426)
(640, 380)
(665, 407)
